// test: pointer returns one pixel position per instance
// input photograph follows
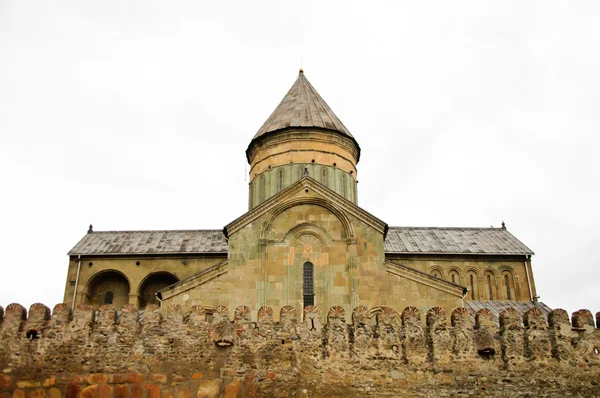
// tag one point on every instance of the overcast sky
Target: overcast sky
(136, 114)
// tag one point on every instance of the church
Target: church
(304, 242)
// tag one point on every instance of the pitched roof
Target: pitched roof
(400, 240)
(453, 241)
(302, 106)
(151, 242)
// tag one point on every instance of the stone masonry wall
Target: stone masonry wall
(126, 353)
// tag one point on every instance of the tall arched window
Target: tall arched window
(489, 281)
(309, 286)
(453, 278)
(280, 181)
(262, 188)
(472, 287)
(324, 176)
(108, 297)
(507, 284)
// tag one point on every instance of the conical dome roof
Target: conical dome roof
(302, 106)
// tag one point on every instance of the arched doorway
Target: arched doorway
(107, 287)
(153, 283)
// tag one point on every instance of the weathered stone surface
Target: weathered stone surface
(209, 388)
(174, 358)
(484, 336)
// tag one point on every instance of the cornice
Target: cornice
(425, 279)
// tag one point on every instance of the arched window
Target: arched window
(324, 176)
(108, 297)
(489, 281)
(280, 182)
(472, 282)
(507, 284)
(454, 276)
(309, 288)
(262, 188)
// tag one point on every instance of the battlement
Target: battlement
(378, 341)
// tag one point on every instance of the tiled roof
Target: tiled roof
(453, 241)
(496, 307)
(302, 106)
(151, 242)
(399, 240)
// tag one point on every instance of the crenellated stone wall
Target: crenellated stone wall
(127, 353)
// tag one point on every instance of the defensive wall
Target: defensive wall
(371, 352)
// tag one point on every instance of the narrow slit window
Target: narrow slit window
(324, 177)
(472, 287)
(108, 297)
(280, 182)
(308, 287)
(453, 279)
(508, 295)
(489, 280)
(343, 185)
(262, 188)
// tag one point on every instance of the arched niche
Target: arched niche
(347, 229)
(436, 271)
(107, 287)
(153, 283)
(454, 276)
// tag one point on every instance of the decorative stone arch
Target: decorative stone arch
(151, 284)
(347, 226)
(458, 276)
(376, 312)
(108, 286)
(436, 271)
(308, 228)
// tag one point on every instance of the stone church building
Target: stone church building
(304, 241)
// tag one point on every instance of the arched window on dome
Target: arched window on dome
(262, 188)
(280, 181)
(308, 285)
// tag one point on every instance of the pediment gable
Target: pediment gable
(309, 191)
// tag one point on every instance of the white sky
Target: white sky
(136, 115)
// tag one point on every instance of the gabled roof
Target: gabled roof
(424, 240)
(151, 242)
(302, 106)
(336, 203)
